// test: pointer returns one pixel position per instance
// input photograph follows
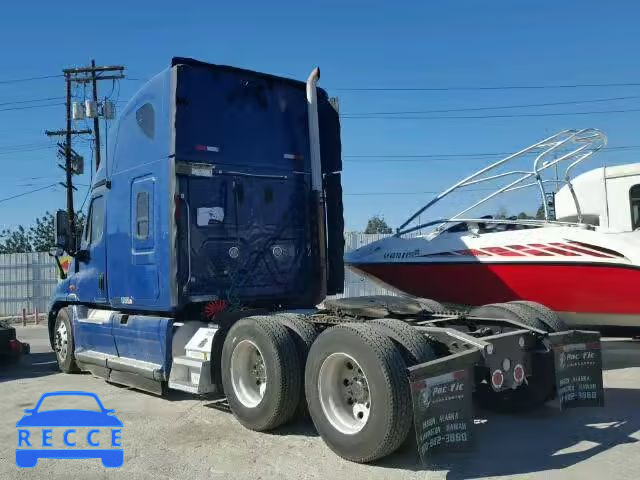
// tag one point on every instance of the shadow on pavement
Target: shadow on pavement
(298, 426)
(543, 440)
(29, 366)
(620, 353)
(301, 427)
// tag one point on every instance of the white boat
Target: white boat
(582, 260)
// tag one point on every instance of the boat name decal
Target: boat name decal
(408, 254)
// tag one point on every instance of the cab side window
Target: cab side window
(142, 215)
(145, 117)
(94, 229)
(87, 227)
(97, 219)
(634, 198)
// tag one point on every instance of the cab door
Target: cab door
(91, 283)
(92, 327)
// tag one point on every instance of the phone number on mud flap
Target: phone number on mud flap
(447, 438)
(566, 397)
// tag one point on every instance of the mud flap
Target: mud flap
(577, 359)
(441, 391)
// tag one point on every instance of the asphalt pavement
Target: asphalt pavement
(186, 437)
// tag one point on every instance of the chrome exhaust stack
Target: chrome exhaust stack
(316, 177)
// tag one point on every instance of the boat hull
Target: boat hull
(582, 293)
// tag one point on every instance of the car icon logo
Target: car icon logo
(44, 430)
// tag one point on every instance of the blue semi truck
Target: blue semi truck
(214, 237)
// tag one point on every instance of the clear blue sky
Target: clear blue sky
(356, 44)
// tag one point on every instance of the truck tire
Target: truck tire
(63, 343)
(414, 347)
(526, 315)
(261, 373)
(544, 314)
(358, 392)
(304, 334)
(508, 312)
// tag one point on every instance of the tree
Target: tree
(43, 233)
(15, 241)
(377, 224)
(40, 237)
(501, 213)
(540, 213)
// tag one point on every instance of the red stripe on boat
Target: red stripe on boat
(568, 287)
(583, 250)
(557, 251)
(503, 252)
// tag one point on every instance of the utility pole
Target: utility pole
(67, 165)
(91, 74)
(96, 120)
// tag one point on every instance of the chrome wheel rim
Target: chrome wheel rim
(62, 341)
(344, 393)
(248, 373)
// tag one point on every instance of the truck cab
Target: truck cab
(221, 191)
(609, 197)
(206, 195)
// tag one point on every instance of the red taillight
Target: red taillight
(497, 379)
(518, 373)
(15, 346)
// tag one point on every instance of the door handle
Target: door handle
(101, 281)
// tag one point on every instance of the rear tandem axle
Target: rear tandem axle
(366, 369)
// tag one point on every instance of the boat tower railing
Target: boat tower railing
(575, 145)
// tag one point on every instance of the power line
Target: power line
(416, 193)
(481, 117)
(6, 199)
(475, 109)
(33, 100)
(27, 107)
(470, 88)
(500, 87)
(28, 79)
(466, 155)
(26, 150)
(21, 145)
